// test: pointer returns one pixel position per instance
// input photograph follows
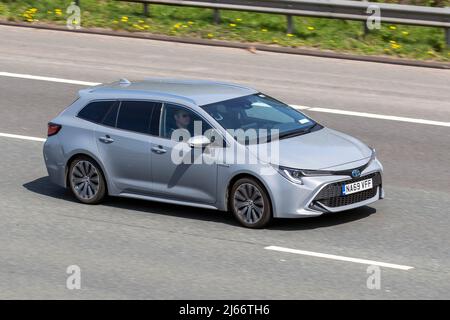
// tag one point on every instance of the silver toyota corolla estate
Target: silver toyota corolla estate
(210, 145)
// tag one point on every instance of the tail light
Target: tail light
(53, 129)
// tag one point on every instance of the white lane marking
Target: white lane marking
(341, 258)
(374, 116)
(31, 77)
(17, 136)
(326, 110)
(296, 106)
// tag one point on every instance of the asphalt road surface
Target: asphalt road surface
(136, 249)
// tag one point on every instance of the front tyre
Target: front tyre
(250, 203)
(86, 180)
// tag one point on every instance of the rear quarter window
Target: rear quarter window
(96, 111)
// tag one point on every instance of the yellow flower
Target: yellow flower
(392, 41)
(141, 21)
(176, 26)
(115, 21)
(190, 23)
(238, 19)
(405, 33)
(264, 30)
(311, 28)
(290, 35)
(395, 46)
(430, 52)
(210, 35)
(393, 27)
(185, 26)
(124, 18)
(33, 10)
(146, 26)
(274, 40)
(232, 25)
(30, 20)
(49, 12)
(136, 26)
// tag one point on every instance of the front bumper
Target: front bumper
(318, 195)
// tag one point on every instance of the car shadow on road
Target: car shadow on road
(43, 186)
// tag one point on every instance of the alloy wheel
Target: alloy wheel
(85, 179)
(248, 203)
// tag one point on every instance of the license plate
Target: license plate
(356, 186)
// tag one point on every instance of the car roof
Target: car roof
(199, 92)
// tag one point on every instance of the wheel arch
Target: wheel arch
(93, 158)
(241, 175)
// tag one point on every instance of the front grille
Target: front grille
(331, 195)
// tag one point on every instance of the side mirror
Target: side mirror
(198, 142)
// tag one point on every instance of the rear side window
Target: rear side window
(111, 116)
(135, 115)
(96, 111)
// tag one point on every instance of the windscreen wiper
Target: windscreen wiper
(297, 132)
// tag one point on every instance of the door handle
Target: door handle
(159, 150)
(106, 139)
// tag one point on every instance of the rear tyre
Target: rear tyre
(86, 180)
(250, 203)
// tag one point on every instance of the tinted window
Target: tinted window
(95, 111)
(111, 116)
(156, 118)
(135, 115)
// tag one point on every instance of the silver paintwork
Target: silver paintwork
(139, 165)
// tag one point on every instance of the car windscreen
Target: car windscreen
(261, 114)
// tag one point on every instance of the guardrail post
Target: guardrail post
(366, 29)
(290, 24)
(146, 9)
(447, 37)
(216, 16)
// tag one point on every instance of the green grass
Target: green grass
(338, 35)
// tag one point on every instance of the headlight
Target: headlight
(373, 156)
(296, 175)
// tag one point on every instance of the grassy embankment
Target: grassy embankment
(343, 36)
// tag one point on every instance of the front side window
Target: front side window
(135, 115)
(96, 111)
(178, 122)
(258, 111)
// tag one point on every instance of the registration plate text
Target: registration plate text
(356, 186)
